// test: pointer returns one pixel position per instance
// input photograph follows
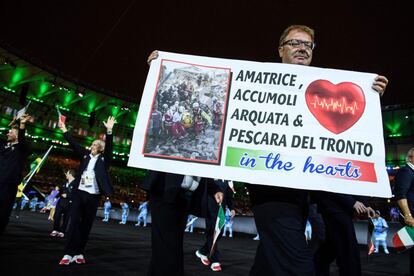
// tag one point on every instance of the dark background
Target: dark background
(106, 43)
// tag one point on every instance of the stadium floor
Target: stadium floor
(113, 249)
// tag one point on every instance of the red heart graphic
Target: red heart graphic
(336, 107)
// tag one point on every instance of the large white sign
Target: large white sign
(263, 123)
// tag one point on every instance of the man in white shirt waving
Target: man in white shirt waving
(91, 181)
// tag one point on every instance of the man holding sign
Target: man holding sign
(280, 213)
(275, 130)
(13, 154)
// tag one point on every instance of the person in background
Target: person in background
(107, 210)
(143, 214)
(379, 234)
(394, 214)
(125, 212)
(34, 202)
(228, 225)
(52, 200)
(25, 201)
(13, 155)
(19, 200)
(308, 231)
(61, 209)
(190, 223)
(63, 206)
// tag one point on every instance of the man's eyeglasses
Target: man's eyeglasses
(295, 43)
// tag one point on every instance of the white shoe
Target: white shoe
(66, 260)
(79, 259)
(216, 266)
(386, 251)
(203, 258)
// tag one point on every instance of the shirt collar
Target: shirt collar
(411, 165)
(94, 157)
(9, 144)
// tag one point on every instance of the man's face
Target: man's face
(411, 157)
(95, 148)
(12, 135)
(301, 55)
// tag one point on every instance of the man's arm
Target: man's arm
(21, 137)
(80, 151)
(408, 218)
(22, 128)
(402, 186)
(109, 124)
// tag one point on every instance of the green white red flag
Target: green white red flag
(221, 219)
(404, 238)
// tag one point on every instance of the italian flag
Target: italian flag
(221, 218)
(404, 238)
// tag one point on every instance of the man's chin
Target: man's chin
(301, 61)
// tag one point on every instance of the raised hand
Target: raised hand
(379, 85)
(152, 56)
(24, 118)
(62, 126)
(109, 124)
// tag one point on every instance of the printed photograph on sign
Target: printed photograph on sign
(188, 111)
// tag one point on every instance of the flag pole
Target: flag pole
(33, 172)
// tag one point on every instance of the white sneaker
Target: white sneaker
(386, 251)
(216, 266)
(66, 260)
(54, 233)
(203, 258)
(79, 259)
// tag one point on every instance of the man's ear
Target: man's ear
(280, 51)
